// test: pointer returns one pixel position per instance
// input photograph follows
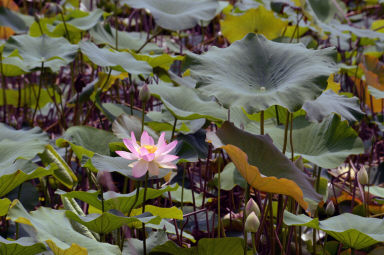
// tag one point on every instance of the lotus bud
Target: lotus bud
(144, 94)
(330, 209)
(252, 207)
(362, 176)
(252, 223)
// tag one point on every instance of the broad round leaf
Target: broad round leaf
(352, 230)
(177, 14)
(54, 52)
(329, 102)
(256, 73)
(20, 246)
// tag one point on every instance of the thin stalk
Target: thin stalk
(142, 116)
(272, 235)
(262, 123)
(291, 138)
(143, 225)
(218, 200)
(65, 26)
(4, 85)
(149, 39)
(286, 133)
(39, 92)
(18, 198)
(246, 198)
(318, 178)
(136, 198)
(254, 243)
(116, 27)
(277, 115)
(174, 128)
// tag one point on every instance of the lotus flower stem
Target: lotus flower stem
(174, 128)
(4, 85)
(143, 224)
(136, 198)
(65, 26)
(116, 26)
(254, 243)
(286, 132)
(142, 116)
(39, 92)
(218, 198)
(262, 123)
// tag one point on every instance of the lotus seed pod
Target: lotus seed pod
(144, 94)
(252, 223)
(330, 209)
(252, 207)
(362, 176)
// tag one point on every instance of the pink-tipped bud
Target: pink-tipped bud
(252, 223)
(144, 94)
(330, 209)
(362, 176)
(251, 206)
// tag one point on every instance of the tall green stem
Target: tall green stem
(142, 117)
(286, 132)
(4, 85)
(262, 123)
(218, 200)
(174, 128)
(144, 198)
(39, 92)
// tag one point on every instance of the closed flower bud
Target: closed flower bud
(252, 207)
(252, 223)
(144, 94)
(330, 209)
(362, 176)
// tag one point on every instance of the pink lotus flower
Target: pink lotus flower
(150, 157)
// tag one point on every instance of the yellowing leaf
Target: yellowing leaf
(4, 206)
(376, 105)
(334, 86)
(260, 20)
(164, 213)
(266, 184)
(378, 25)
(23, 220)
(73, 250)
(164, 61)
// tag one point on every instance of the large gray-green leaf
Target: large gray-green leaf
(107, 222)
(133, 246)
(186, 104)
(329, 102)
(16, 144)
(117, 201)
(11, 19)
(263, 154)
(125, 124)
(131, 40)
(20, 246)
(54, 52)
(256, 73)
(177, 14)
(352, 230)
(119, 61)
(49, 224)
(327, 144)
(93, 139)
(230, 177)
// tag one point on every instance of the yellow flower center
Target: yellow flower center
(150, 148)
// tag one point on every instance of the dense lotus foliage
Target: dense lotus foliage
(205, 127)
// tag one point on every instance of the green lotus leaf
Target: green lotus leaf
(205, 246)
(20, 246)
(15, 144)
(230, 177)
(378, 94)
(18, 172)
(13, 66)
(119, 61)
(164, 213)
(54, 52)
(352, 230)
(263, 154)
(117, 201)
(131, 40)
(135, 246)
(170, 228)
(186, 104)
(112, 111)
(4, 206)
(107, 222)
(11, 19)
(326, 144)
(256, 73)
(187, 196)
(125, 124)
(329, 102)
(177, 14)
(52, 225)
(84, 136)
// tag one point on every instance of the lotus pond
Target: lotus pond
(199, 127)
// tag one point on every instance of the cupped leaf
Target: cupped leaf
(260, 20)
(265, 155)
(177, 14)
(256, 73)
(329, 102)
(266, 184)
(120, 61)
(186, 104)
(113, 200)
(107, 222)
(132, 40)
(20, 246)
(352, 230)
(18, 172)
(54, 52)
(327, 144)
(49, 224)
